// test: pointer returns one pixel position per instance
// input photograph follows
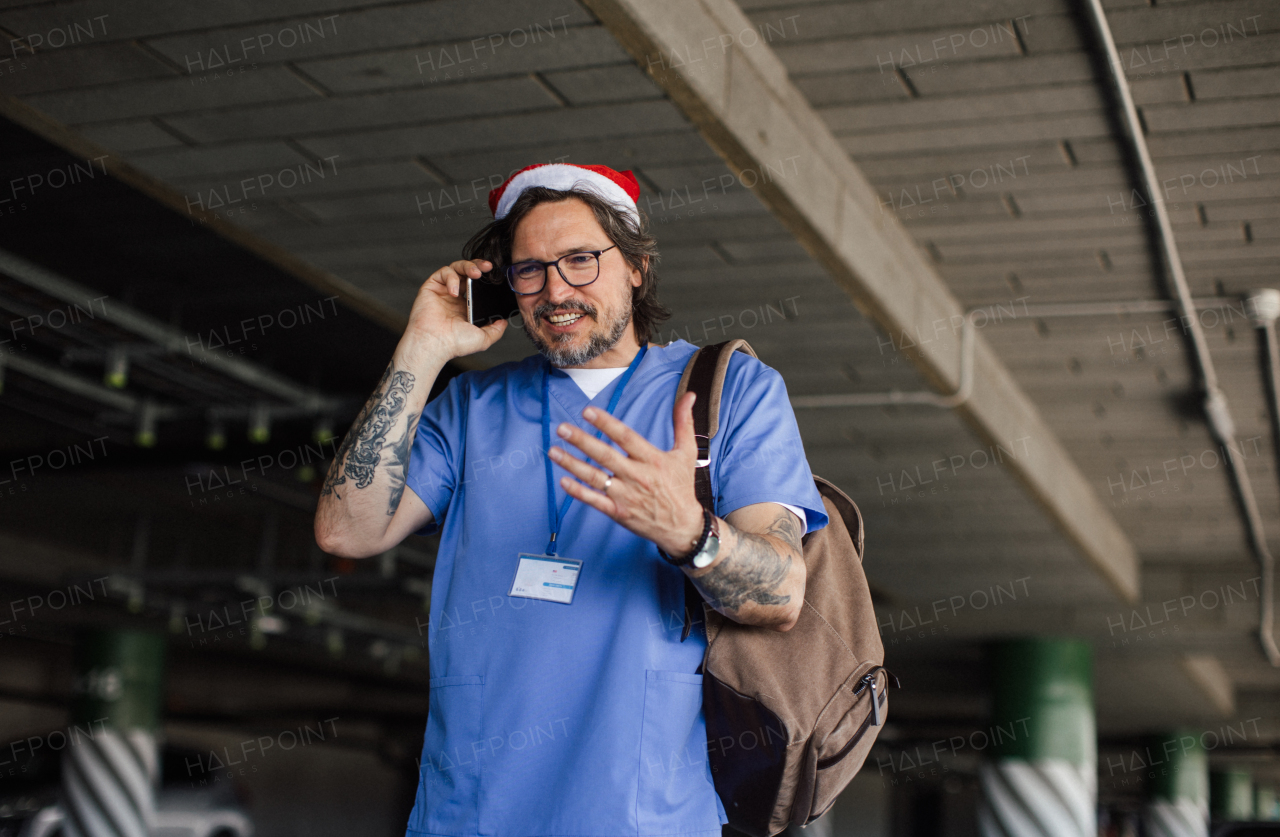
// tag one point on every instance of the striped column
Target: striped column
(1042, 778)
(1178, 794)
(109, 775)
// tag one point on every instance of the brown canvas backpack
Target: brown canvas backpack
(790, 715)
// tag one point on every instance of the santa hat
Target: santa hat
(618, 188)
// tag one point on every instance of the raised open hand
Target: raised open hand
(647, 490)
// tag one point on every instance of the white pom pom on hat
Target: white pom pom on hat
(618, 188)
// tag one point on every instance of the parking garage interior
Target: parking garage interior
(1015, 260)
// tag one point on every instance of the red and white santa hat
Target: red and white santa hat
(618, 188)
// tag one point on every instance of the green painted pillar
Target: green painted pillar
(1178, 792)
(119, 679)
(1231, 795)
(109, 773)
(1042, 778)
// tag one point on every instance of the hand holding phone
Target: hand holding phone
(449, 319)
(489, 300)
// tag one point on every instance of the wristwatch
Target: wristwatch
(704, 549)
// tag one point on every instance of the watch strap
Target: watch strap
(708, 524)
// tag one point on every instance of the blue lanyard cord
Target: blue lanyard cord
(554, 516)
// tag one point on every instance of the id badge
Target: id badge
(550, 578)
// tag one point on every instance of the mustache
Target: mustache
(546, 309)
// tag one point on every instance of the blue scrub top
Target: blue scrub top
(579, 720)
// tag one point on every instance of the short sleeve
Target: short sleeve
(762, 457)
(437, 451)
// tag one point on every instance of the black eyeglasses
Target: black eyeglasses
(576, 269)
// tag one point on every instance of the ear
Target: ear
(637, 276)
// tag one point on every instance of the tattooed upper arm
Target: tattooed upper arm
(398, 465)
(786, 527)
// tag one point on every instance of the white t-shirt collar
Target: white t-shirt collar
(592, 381)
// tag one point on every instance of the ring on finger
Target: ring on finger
(608, 481)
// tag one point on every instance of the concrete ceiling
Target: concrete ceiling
(360, 138)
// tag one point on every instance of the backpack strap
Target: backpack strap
(704, 375)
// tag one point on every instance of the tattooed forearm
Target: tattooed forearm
(363, 460)
(360, 453)
(752, 574)
(755, 570)
(334, 477)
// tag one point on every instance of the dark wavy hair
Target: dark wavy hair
(635, 242)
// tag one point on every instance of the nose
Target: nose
(557, 290)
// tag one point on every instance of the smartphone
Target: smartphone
(489, 301)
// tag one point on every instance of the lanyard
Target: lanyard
(556, 517)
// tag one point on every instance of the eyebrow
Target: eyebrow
(584, 248)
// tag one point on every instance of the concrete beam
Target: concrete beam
(720, 71)
(1212, 679)
(69, 140)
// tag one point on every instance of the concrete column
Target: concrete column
(109, 775)
(1178, 793)
(1231, 795)
(1042, 778)
(1265, 804)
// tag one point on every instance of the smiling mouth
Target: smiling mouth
(565, 318)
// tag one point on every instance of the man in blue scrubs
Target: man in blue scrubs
(563, 702)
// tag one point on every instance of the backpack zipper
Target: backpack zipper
(877, 714)
(869, 679)
(849, 745)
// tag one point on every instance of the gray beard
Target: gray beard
(597, 345)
